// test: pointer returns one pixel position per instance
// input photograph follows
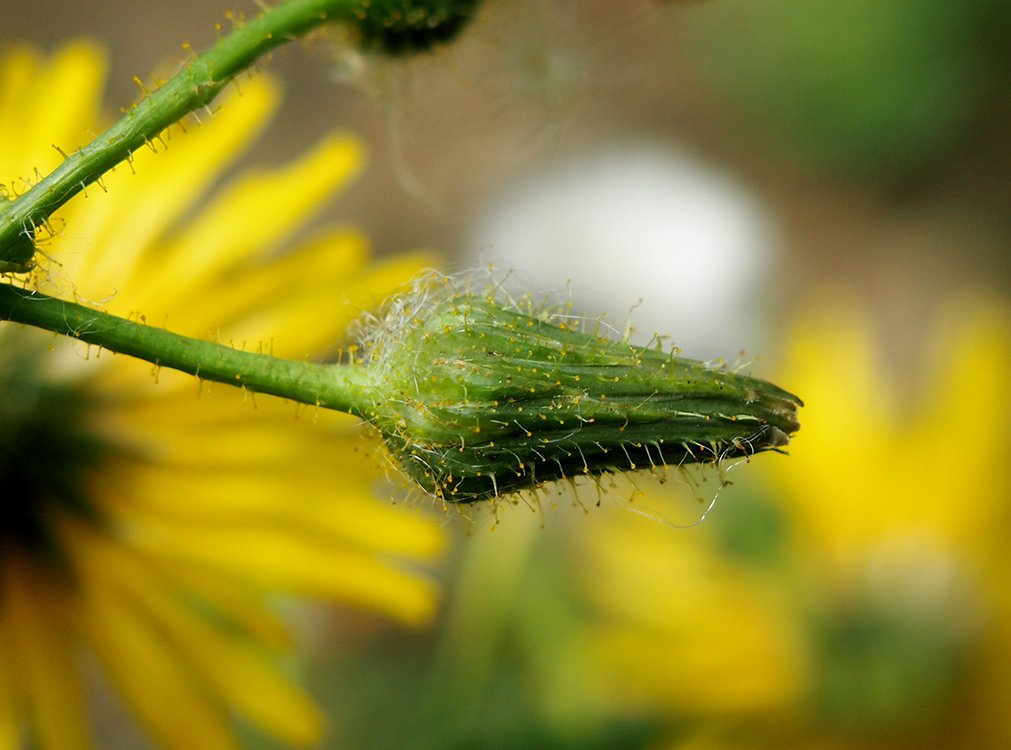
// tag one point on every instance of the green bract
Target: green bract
(477, 397)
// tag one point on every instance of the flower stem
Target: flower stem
(343, 387)
(394, 25)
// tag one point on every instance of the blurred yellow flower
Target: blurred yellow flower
(882, 617)
(146, 519)
(899, 521)
(915, 453)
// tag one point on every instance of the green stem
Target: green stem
(194, 87)
(343, 387)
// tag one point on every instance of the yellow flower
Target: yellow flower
(900, 524)
(880, 615)
(150, 521)
(916, 462)
(678, 630)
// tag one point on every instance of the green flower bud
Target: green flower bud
(403, 27)
(477, 397)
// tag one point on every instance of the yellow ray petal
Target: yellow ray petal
(223, 236)
(242, 677)
(288, 473)
(332, 259)
(849, 421)
(230, 667)
(695, 616)
(296, 320)
(891, 499)
(18, 67)
(317, 317)
(344, 515)
(965, 414)
(112, 233)
(163, 693)
(161, 428)
(298, 305)
(280, 561)
(70, 81)
(231, 600)
(41, 641)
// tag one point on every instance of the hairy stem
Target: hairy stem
(344, 387)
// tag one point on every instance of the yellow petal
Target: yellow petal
(856, 481)
(18, 67)
(318, 319)
(232, 601)
(966, 413)
(109, 234)
(849, 428)
(230, 667)
(42, 644)
(159, 688)
(288, 562)
(70, 82)
(695, 616)
(241, 676)
(225, 234)
(332, 259)
(308, 475)
(345, 516)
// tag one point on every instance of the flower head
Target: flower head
(146, 519)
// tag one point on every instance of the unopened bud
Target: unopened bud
(477, 397)
(402, 27)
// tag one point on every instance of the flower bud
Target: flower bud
(477, 397)
(403, 27)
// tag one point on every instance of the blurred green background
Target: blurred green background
(848, 596)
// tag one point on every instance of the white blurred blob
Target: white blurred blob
(640, 223)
